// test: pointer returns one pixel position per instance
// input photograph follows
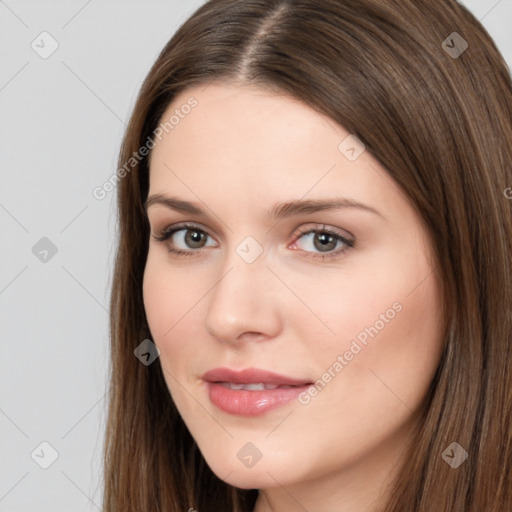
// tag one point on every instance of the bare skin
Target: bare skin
(236, 155)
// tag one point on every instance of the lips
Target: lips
(252, 379)
(251, 392)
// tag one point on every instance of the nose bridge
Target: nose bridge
(241, 300)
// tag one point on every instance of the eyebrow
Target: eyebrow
(278, 211)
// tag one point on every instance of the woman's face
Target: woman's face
(282, 272)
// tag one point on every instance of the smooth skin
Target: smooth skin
(237, 154)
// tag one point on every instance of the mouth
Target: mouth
(251, 392)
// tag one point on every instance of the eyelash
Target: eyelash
(166, 233)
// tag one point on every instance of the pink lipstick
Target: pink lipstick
(251, 392)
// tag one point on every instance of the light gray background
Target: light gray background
(61, 123)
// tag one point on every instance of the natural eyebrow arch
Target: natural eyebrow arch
(278, 211)
(282, 210)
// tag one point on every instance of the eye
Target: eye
(185, 239)
(322, 242)
(190, 240)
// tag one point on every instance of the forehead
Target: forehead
(244, 123)
(244, 143)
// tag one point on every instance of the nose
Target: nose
(243, 304)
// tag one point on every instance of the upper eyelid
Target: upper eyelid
(320, 226)
(296, 233)
(180, 226)
(347, 240)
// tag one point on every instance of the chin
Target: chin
(248, 478)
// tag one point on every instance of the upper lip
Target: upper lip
(251, 376)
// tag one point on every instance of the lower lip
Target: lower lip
(251, 403)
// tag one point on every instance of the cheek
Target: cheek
(168, 293)
(385, 332)
(390, 351)
(412, 344)
(158, 301)
(172, 302)
(165, 303)
(406, 352)
(371, 393)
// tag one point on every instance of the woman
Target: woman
(314, 265)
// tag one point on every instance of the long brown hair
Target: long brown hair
(423, 86)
